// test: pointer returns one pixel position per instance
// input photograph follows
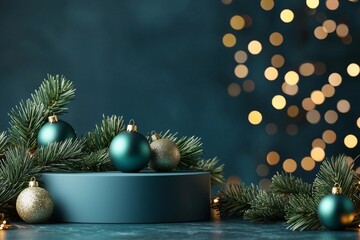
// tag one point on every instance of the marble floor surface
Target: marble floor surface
(222, 229)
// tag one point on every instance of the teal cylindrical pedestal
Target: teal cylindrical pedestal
(115, 197)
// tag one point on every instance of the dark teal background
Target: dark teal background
(163, 64)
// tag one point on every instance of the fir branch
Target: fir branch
(15, 173)
(210, 165)
(25, 122)
(335, 170)
(97, 161)
(54, 93)
(3, 143)
(266, 207)
(191, 151)
(301, 213)
(283, 183)
(101, 137)
(60, 156)
(235, 199)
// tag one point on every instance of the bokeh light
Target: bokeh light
(343, 106)
(289, 89)
(271, 129)
(262, 170)
(237, 22)
(277, 60)
(276, 39)
(328, 90)
(241, 71)
(308, 104)
(329, 25)
(335, 79)
(320, 33)
(307, 69)
(254, 47)
(350, 141)
(255, 117)
(332, 4)
(271, 73)
(318, 154)
(289, 165)
(342, 30)
(278, 102)
(240, 56)
(353, 69)
(234, 89)
(307, 163)
(267, 5)
(273, 158)
(249, 85)
(291, 78)
(318, 142)
(312, 3)
(287, 15)
(293, 111)
(229, 40)
(329, 136)
(317, 97)
(331, 116)
(313, 116)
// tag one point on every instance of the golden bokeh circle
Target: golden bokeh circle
(291, 77)
(234, 89)
(343, 106)
(278, 102)
(273, 158)
(312, 3)
(331, 116)
(287, 15)
(276, 39)
(329, 136)
(241, 71)
(254, 47)
(237, 22)
(335, 79)
(328, 90)
(229, 40)
(320, 33)
(353, 69)
(289, 165)
(289, 89)
(332, 4)
(267, 5)
(249, 85)
(277, 60)
(307, 69)
(317, 97)
(318, 142)
(350, 141)
(358, 122)
(240, 56)
(271, 73)
(255, 117)
(292, 111)
(308, 104)
(342, 30)
(307, 163)
(318, 154)
(262, 170)
(313, 116)
(329, 25)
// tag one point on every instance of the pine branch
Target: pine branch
(3, 143)
(302, 213)
(283, 183)
(60, 156)
(25, 122)
(15, 173)
(54, 93)
(335, 170)
(266, 207)
(235, 199)
(97, 161)
(210, 165)
(191, 151)
(101, 137)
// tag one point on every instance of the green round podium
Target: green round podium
(115, 197)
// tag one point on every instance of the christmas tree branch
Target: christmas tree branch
(283, 183)
(60, 156)
(15, 172)
(101, 137)
(3, 144)
(210, 165)
(54, 93)
(235, 199)
(97, 161)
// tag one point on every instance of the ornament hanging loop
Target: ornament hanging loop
(33, 182)
(53, 119)
(336, 189)
(131, 127)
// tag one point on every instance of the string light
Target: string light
(318, 154)
(255, 117)
(287, 15)
(277, 60)
(254, 47)
(312, 3)
(278, 102)
(291, 78)
(289, 165)
(307, 163)
(271, 73)
(353, 69)
(273, 158)
(237, 22)
(350, 141)
(229, 40)
(267, 5)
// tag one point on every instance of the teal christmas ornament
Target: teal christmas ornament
(129, 151)
(55, 130)
(336, 211)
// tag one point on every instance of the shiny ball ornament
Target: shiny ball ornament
(165, 154)
(129, 151)
(34, 204)
(336, 211)
(55, 131)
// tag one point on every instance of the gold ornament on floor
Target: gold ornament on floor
(165, 154)
(34, 204)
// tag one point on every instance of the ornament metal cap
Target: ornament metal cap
(53, 119)
(131, 127)
(155, 136)
(336, 189)
(33, 182)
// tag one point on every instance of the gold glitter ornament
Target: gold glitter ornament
(34, 204)
(165, 154)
